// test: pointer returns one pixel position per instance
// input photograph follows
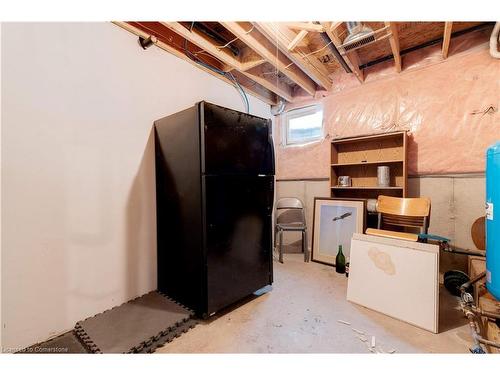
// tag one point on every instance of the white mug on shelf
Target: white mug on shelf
(344, 181)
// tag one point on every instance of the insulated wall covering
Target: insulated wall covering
(450, 108)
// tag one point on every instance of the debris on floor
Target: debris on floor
(362, 338)
(344, 322)
(370, 347)
(373, 345)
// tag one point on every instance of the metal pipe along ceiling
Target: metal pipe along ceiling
(335, 52)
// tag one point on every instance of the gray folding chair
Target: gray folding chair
(292, 218)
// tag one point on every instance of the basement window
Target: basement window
(303, 125)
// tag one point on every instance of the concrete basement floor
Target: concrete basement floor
(300, 315)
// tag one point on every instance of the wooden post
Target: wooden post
(446, 38)
(394, 40)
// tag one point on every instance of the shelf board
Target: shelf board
(367, 187)
(367, 163)
(363, 138)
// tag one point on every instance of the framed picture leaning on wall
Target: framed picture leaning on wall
(334, 222)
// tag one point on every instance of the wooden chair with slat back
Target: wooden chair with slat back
(401, 212)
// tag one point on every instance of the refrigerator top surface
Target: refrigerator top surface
(215, 107)
(234, 142)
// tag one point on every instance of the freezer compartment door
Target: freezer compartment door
(234, 142)
(238, 237)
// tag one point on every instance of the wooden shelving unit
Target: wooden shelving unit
(366, 187)
(368, 163)
(359, 157)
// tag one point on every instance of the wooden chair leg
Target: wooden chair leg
(281, 246)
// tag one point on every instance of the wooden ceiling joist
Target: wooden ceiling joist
(270, 60)
(265, 49)
(446, 38)
(249, 59)
(310, 65)
(394, 41)
(335, 25)
(223, 55)
(259, 75)
(351, 58)
(305, 26)
(295, 42)
(251, 64)
(264, 95)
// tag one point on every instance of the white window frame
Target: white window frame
(299, 112)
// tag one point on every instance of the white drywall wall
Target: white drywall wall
(1, 321)
(79, 230)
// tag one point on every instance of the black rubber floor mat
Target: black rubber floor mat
(136, 326)
(167, 337)
(66, 343)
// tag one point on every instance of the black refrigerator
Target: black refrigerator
(214, 194)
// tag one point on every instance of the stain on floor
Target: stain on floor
(301, 313)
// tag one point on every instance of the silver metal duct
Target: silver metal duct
(279, 108)
(359, 35)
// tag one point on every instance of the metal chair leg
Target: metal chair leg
(306, 250)
(275, 237)
(303, 247)
(281, 246)
(302, 240)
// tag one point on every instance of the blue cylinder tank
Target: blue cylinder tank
(493, 219)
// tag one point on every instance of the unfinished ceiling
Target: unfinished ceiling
(278, 60)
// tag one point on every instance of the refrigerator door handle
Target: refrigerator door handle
(271, 143)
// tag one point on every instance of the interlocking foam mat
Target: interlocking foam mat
(138, 326)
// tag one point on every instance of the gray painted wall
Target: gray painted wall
(457, 200)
